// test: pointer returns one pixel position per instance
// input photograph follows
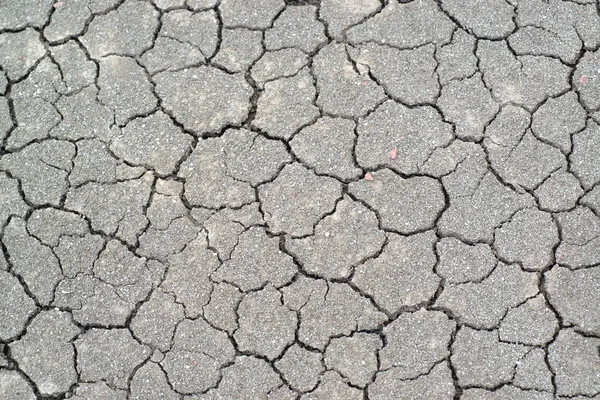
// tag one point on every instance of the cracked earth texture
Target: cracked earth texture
(314, 200)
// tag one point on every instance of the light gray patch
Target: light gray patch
(16, 307)
(531, 323)
(460, 262)
(327, 147)
(484, 204)
(523, 80)
(414, 132)
(468, 104)
(407, 75)
(436, 385)
(255, 261)
(289, 203)
(17, 15)
(200, 4)
(93, 163)
(403, 274)
(199, 352)
(6, 122)
(32, 261)
(77, 70)
(239, 49)
(282, 63)
(529, 239)
(109, 355)
(404, 205)
(68, 20)
(45, 353)
(506, 392)
(125, 31)
(490, 19)
(252, 14)
(482, 305)
(574, 296)
(167, 4)
(415, 343)
(457, 59)
(44, 83)
(266, 325)
(482, 360)
(343, 91)
(328, 310)
(333, 386)
(222, 171)
(559, 118)
(580, 236)
(342, 14)
(19, 52)
(247, 378)
(156, 320)
(526, 164)
(10, 198)
(150, 381)
(169, 54)
(405, 25)
(188, 277)
(124, 88)
(301, 368)
(115, 209)
(586, 80)
(542, 32)
(98, 391)
(164, 209)
(221, 309)
(84, 117)
(225, 226)
(340, 242)
(296, 27)
(586, 145)
(199, 29)
(36, 118)
(215, 99)
(532, 372)
(77, 254)
(355, 357)
(50, 224)
(14, 387)
(152, 141)
(559, 192)
(286, 105)
(576, 363)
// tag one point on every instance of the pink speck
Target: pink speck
(195, 362)
(21, 58)
(369, 177)
(59, 4)
(584, 79)
(394, 154)
(365, 83)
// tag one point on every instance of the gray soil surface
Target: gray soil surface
(311, 200)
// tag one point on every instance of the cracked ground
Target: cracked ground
(314, 200)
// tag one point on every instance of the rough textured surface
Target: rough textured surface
(299, 199)
(327, 253)
(218, 98)
(414, 132)
(396, 200)
(403, 274)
